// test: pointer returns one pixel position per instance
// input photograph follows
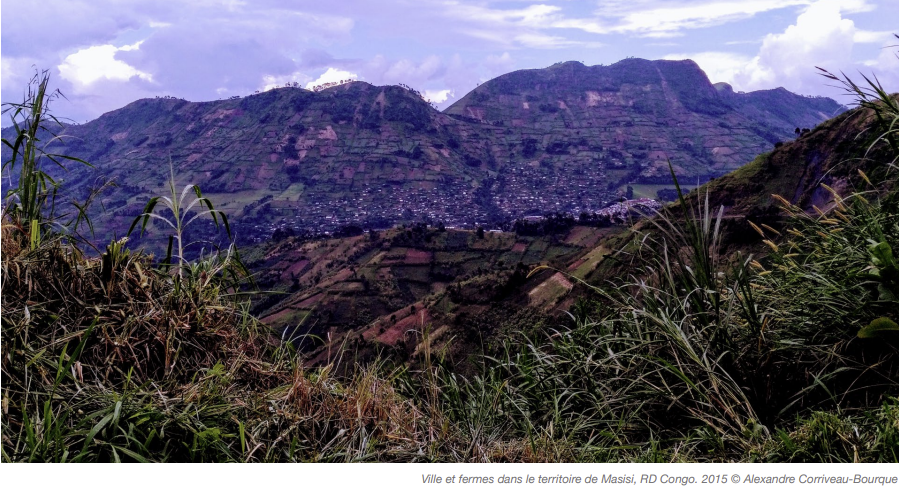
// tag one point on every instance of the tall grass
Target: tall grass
(708, 356)
(181, 214)
(110, 364)
(119, 359)
(30, 203)
(883, 105)
(718, 355)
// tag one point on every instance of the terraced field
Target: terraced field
(374, 288)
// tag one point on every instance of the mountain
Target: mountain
(647, 112)
(565, 138)
(378, 292)
(689, 335)
(355, 153)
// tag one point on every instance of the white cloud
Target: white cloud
(719, 66)
(883, 37)
(273, 81)
(207, 49)
(380, 70)
(663, 20)
(438, 97)
(528, 26)
(648, 18)
(198, 50)
(406, 70)
(332, 75)
(666, 19)
(820, 37)
(539, 40)
(88, 65)
(499, 64)
(532, 16)
(520, 27)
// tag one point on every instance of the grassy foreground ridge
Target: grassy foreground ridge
(694, 348)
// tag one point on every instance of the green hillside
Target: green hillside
(752, 320)
(561, 139)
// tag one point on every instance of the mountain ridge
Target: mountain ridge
(379, 156)
(374, 291)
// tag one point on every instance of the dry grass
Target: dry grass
(54, 293)
(109, 359)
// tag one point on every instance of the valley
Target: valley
(520, 278)
(564, 139)
(376, 293)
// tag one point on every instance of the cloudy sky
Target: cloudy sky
(104, 54)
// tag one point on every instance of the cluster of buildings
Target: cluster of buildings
(372, 207)
(534, 188)
(521, 189)
(620, 211)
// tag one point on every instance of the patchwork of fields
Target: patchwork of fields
(382, 289)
